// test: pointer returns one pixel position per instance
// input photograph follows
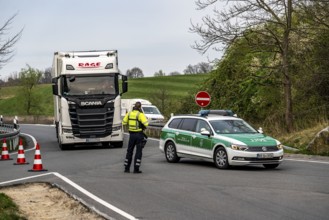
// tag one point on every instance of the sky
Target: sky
(150, 34)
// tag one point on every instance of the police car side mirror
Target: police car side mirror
(205, 132)
(260, 130)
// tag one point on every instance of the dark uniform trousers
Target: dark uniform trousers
(135, 139)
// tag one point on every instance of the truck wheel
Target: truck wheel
(117, 144)
(65, 146)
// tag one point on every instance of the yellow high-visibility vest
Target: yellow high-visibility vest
(134, 119)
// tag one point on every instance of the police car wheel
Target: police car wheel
(170, 151)
(270, 166)
(220, 158)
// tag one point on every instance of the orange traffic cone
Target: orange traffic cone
(4, 153)
(20, 155)
(37, 166)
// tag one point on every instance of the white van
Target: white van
(151, 111)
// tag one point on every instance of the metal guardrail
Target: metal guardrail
(9, 130)
(10, 133)
(157, 125)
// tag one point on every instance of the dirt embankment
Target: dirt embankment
(44, 201)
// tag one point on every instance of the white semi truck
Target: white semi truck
(87, 98)
(151, 112)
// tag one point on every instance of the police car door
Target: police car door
(202, 144)
(184, 134)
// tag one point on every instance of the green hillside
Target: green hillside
(11, 101)
(177, 87)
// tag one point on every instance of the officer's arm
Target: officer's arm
(125, 119)
(143, 120)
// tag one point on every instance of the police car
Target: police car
(219, 136)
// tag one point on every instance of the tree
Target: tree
(13, 79)
(175, 73)
(7, 44)
(190, 69)
(159, 73)
(29, 78)
(204, 67)
(316, 11)
(135, 73)
(46, 76)
(199, 68)
(269, 22)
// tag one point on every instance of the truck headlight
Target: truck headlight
(239, 147)
(67, 130)
(116, 127)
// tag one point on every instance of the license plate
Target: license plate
(92, 140)
(263, 156)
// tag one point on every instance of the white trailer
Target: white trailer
(87, 98)
(151, 112)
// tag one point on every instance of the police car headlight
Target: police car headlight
(239, 147)
(280, 146)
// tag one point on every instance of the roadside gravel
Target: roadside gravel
(44, 201)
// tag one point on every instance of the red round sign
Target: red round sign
(202, 98)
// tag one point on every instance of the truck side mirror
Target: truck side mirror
(124, 87)
(54, 86)
(124, 84)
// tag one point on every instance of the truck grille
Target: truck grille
(91, 121)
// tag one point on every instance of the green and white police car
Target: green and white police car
(219, 136)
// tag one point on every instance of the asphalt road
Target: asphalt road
(187, 190)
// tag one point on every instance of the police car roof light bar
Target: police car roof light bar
(205, 113)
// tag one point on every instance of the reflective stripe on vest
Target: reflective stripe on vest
(133, 123)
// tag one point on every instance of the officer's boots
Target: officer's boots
(136, 170)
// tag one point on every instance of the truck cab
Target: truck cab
(87, 98)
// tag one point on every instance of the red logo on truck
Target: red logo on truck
(89, 65)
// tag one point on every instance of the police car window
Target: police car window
(174, 123)
(188, 124)
(232, 127)
(201, 124)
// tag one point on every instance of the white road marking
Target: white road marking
(25, 178)
(308, 161)
(76, 186)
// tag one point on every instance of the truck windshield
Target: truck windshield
(231, 127)
(89, 85)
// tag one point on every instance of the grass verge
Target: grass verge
(8, 209)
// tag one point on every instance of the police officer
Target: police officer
(136, 122)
